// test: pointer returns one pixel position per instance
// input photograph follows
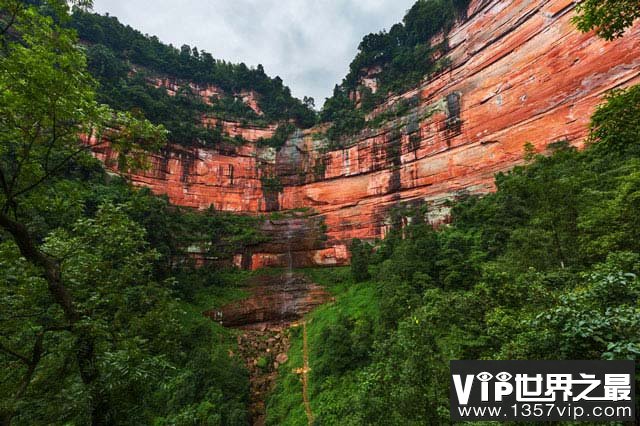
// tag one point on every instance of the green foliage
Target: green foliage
(360, 253)
(101, 307)
(271, 184)
(340, 110)
(404, 51)
(597, 319)
(282, 134)
(115, 49)
(346, 345)
(180, 114)
(400, 109)
(158, 356)
(404, 55)
(46, 99)
(616, 124)
(349, 326)
(94, 330)
(610, 18)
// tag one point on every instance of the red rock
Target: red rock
(274, 301)
(523, 74)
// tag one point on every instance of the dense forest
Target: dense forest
(123, 257)
(101, 301)
(113, 50)
(100, 304)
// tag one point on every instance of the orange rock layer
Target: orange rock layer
(520, 72)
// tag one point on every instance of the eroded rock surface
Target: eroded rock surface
(264, 351)
(275, 303)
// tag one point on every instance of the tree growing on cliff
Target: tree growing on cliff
(360, 254)
(609, 18)
(399, 59)
(136, 50)
(615, 126)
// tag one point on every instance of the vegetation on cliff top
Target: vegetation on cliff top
(609, 18)
(115, 50)
(397, 59)
(400, 58)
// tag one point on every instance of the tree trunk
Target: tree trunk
(85, 342)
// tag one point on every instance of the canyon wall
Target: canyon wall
(519, 72)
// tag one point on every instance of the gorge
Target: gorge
(518, 73)
(183, 241)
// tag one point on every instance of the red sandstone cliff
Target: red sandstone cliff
(520, 73)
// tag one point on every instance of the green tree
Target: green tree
(360, 253)
(46, 102)
(400, 58)
(609, 18)
(615, 126)
(190, 65)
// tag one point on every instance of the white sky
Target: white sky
(308, 43)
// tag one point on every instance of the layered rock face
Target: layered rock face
(275, 302)
(206, 92)
(520, 72)
(295, 241)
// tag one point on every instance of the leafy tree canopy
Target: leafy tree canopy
(609, 18)
(399, 58)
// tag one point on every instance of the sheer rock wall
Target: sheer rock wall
(520, 72)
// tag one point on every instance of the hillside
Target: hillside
(181, 88)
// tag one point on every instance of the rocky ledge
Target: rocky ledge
(519, 72)
(275, 302)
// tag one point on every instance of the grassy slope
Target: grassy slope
(210, 297)
(356, 301)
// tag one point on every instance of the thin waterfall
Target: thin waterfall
(289, 256)
(288, 293)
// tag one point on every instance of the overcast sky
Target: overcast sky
(308, 43)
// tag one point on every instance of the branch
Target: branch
(14, 354)
(22, 316)
(50, 266)
(49, 173)
(5, 187)
(10, 202)
(36, 356)
(10, 23)
(25, 155)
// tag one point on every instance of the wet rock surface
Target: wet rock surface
(275, 301)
